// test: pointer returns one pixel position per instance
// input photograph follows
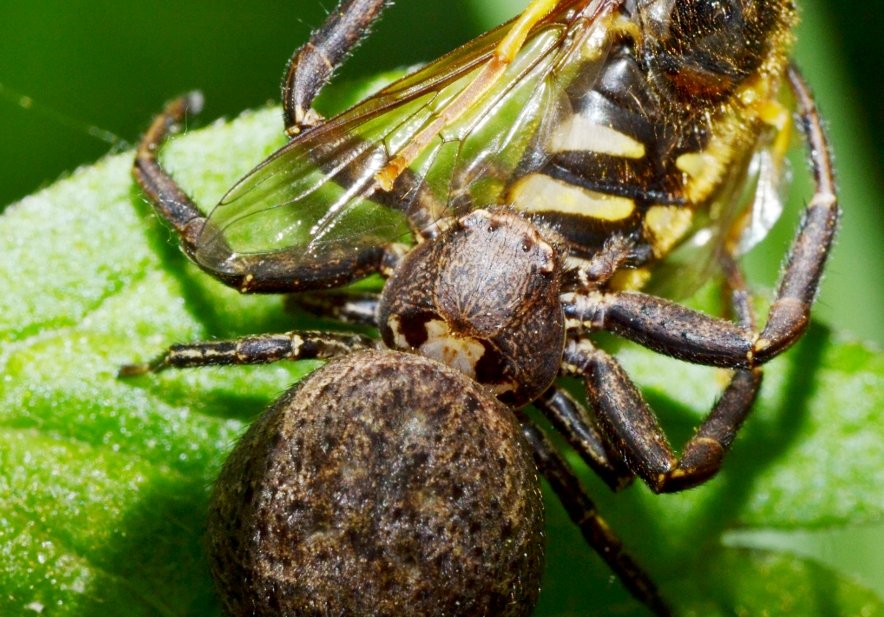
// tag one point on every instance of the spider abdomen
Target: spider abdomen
(384, 484)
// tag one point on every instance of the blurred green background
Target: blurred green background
(71, 70)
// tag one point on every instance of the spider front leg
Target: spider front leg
(311, 67)
(630, 423)
(688, 335)
(682, 333)
(249, 273)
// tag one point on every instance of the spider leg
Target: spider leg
(703, 454)
(347, 307)
(170, 202)
(312, 66)
(253, 349)
(692, 336)
(588, 274)
(790, 312)
(627, 419)
(583, 513)
(666, 327)
(247, 273)
(572, 420)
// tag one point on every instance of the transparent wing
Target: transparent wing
(771, 176)
(742, 216)
(318, 194)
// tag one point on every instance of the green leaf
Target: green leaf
(104, 483)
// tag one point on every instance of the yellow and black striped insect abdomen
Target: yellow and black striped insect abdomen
(655, 130)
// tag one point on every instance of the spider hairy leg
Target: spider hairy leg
(312, 66)
(254, 349)
(692, 336)
(583, 513)
(248, 273)
(572, 420)
(790, 312)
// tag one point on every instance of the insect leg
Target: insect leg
(584, 275)
(738, 300)
(572, 420)
(311, 67)
(350, 308)
(583, 512)
(254, 349)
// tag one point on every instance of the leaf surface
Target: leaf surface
(104, 483)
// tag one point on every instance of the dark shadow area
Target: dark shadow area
(857, 29)
(825, 589)
(156, 563)
(768, 433)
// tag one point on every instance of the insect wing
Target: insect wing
(772, 176)
(742, 216)
(318, 195)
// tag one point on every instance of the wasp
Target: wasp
(521, 194)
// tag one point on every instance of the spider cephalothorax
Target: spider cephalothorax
(484, 298)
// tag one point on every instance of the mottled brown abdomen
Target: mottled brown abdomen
(384, 484)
